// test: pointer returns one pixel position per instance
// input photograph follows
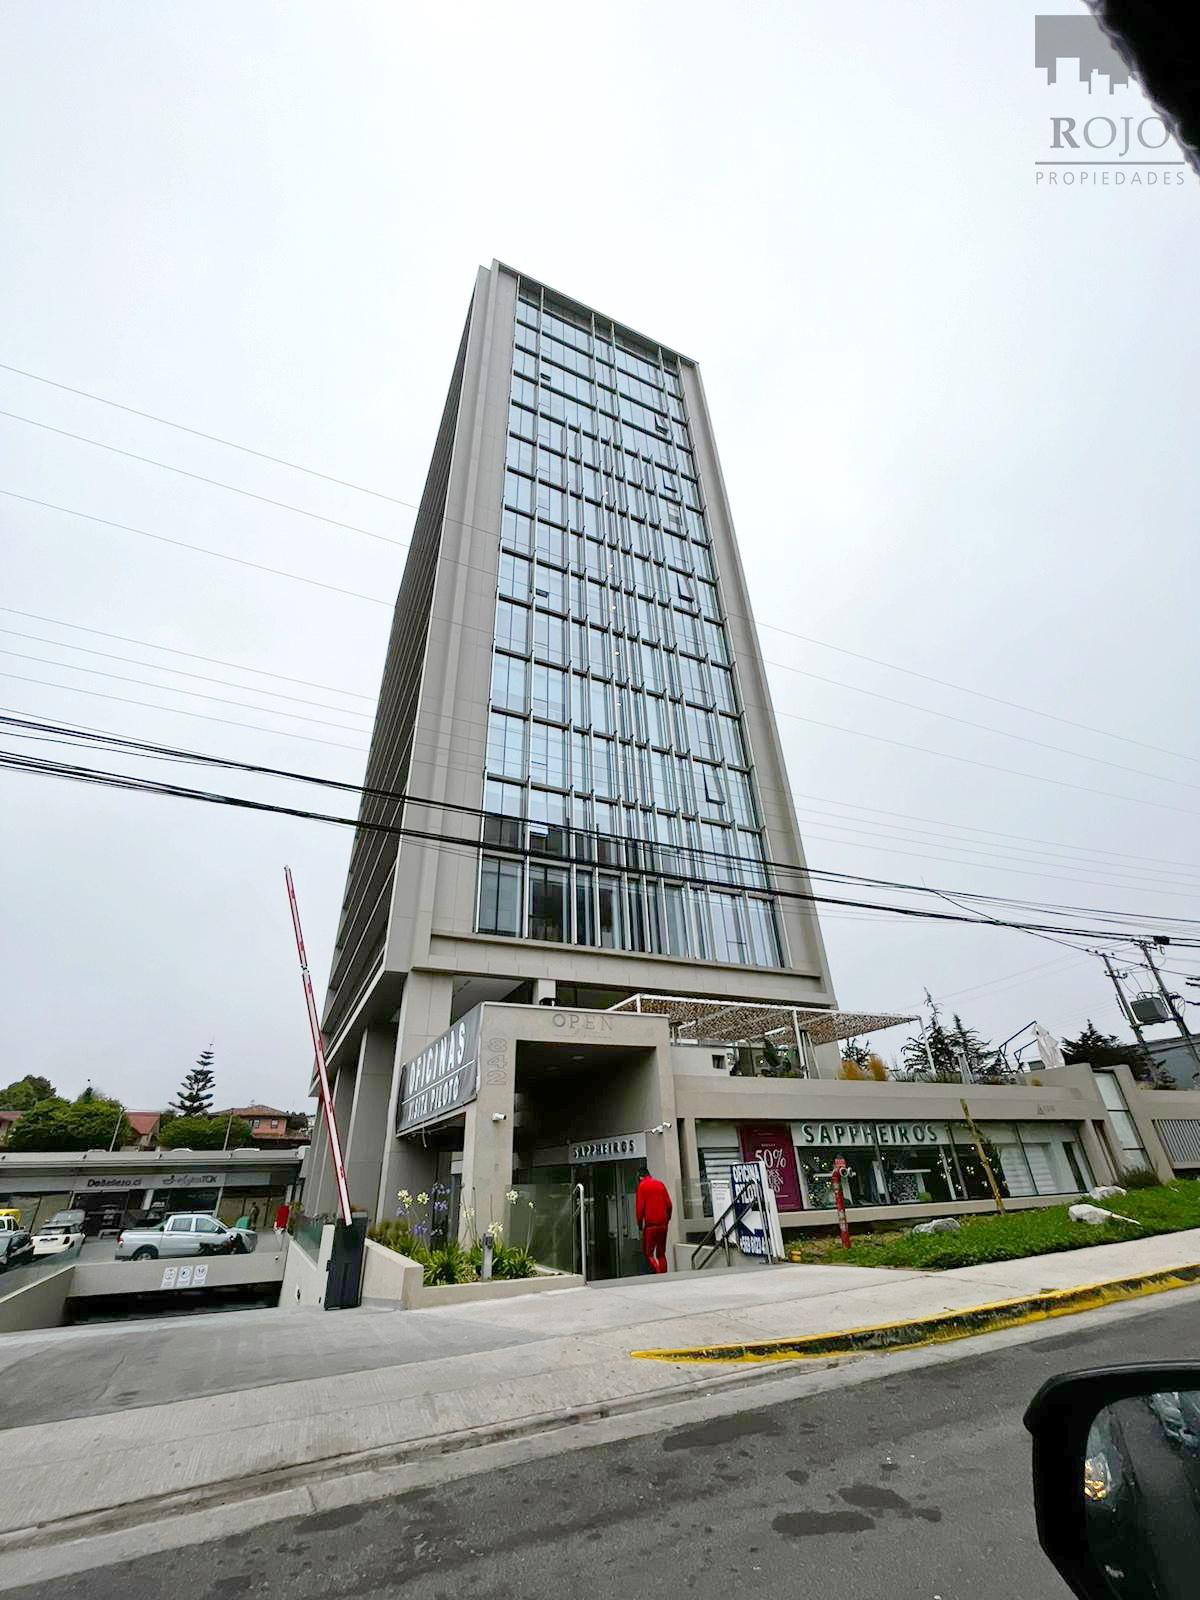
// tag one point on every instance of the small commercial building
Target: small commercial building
(116, 1188)
(526, 1108)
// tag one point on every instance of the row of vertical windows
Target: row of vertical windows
(614, 736)
(576, 905)
(590, 703)
(713, 846)
(599, 764)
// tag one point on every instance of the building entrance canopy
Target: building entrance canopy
(749, 1022)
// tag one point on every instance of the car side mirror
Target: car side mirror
(1116, 1480)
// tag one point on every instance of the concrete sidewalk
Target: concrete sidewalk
(335, 1390)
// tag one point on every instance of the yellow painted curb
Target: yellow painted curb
(945, 1326)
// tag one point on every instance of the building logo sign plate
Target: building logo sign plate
(443, 1078)
(619, 1147)
(150, 1180)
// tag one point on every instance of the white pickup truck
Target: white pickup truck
(186, 1233)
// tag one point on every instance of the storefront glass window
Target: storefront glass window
(917, 1177)
(860, 1182)
(975, 1185)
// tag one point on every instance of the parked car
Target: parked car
(15, 1244)
(72, 1219)
(56, 1238)
(186, 1233)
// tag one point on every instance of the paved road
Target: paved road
(912, 1484)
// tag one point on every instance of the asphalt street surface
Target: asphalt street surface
(911, 1484)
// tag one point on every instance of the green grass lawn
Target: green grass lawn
(1168, 1209)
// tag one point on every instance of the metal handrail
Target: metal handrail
(746, 1199)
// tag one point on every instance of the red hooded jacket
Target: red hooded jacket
(653, 1202)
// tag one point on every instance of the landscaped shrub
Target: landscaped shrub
(398, 1235)
(1139, 1178)
(508, 1261)
(449, 1264)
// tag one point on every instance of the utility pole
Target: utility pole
(1121, 1000)
(1169, 999)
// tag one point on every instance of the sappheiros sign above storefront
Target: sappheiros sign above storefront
(812, 1134)
(617, 1147)
(443, 1078)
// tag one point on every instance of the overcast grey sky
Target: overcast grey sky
(263, 220)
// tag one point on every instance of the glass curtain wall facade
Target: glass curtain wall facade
(620, 803)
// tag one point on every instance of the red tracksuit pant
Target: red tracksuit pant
(654, 1246)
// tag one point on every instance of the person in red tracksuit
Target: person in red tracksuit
(653, 1206)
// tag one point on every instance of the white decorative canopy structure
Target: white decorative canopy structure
(749, 1022)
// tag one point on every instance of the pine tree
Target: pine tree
(948, 1049)
(196, 1092)
(1106, 1050)
(971, 1047)
(859, 1054)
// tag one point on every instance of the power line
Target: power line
(983, 727)
(1114, 873)
(471, 847)
(199, 549)
(181, 711)
(1041, 871)
(199, 477)
(996, 833)
(889, 849)
(794, 716)
(191, 655)
(196, 694)
(123, 745)
(901, 744)
(1058, 846)
(1095, 859)
(1023, 972)
(398, 800)
(199, 433)
(961, 688)
(133, 661)
(991, 766)
(810, 639)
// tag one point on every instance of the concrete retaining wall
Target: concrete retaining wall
(34, 1302)
(388, 1277)
(392, 1279)
(305, 1279)
(457, 1294)
(145, 1277)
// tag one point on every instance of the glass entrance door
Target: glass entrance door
(614, 1244)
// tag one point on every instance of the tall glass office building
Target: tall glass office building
(578, 796)
(615, 731)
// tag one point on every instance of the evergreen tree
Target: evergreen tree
(859, 1054)
(1106, 1050)
(949, 1050)
(196, 1092)
(971, 1046)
